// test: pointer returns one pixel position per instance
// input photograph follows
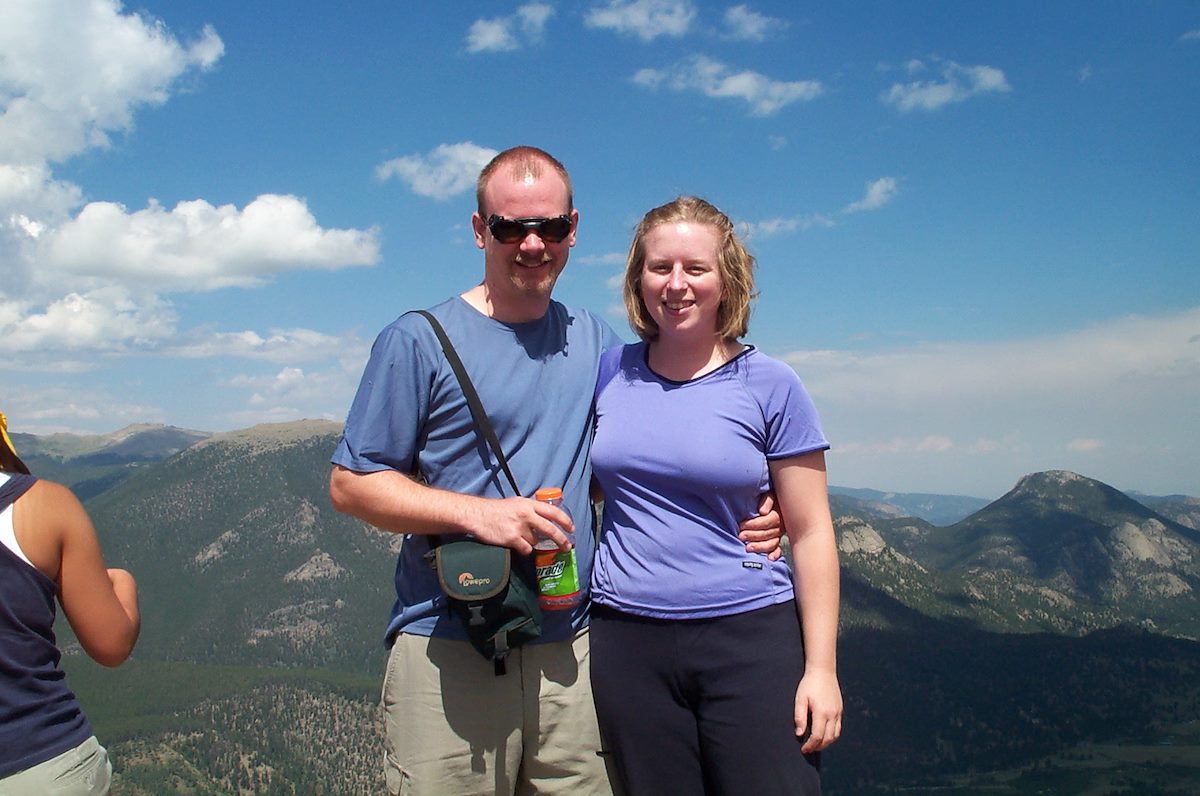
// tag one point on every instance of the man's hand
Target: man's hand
(518, 523)
(764, 533)
(394, 502)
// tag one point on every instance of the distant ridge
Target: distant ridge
(92, 464)
(937, 509)
(66, 446)
(269, 436)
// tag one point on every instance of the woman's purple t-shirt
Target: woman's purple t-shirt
(682, 464)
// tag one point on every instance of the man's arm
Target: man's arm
(394, 502)
(764, 533)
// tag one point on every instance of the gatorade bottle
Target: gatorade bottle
(557, 577)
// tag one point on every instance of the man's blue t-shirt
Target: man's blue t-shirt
(682, 464)
(536, 382)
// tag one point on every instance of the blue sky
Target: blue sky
(977, 225)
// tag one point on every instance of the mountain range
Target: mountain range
(247, 513)
(1059, 552)
(981, 650)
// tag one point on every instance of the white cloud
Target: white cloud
(1085, 73)
(782, 226)
(279, 345)
(75, 72)
(30, 190)
(197, 246)
(501, 34)
(290, 393)
(645, 19)
(934, 444)
(879, 193)
(54, 410)
(744, 24)
(958, 84)
(1191, 35)
(534, 17)
(83, 281)
(712, 78)
(1123, 352)
(1086, 400)
(491, 36)
(449, 170)
(107, 319)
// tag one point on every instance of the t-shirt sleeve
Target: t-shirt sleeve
(793, 426)
(610, 364)
(391, 406)
(611, 338)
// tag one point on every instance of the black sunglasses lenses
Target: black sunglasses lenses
(551, 230)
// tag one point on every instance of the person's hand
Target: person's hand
(123, 583)
(764, 533)
(818, 710)
(518, 523)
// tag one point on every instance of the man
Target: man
(453, 726)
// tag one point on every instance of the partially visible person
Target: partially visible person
(48, 549)
(691, 427)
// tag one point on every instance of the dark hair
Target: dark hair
(10, 462)
(524, 161)
(735, 266)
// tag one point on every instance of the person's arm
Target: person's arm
(800, 484)
(394, 502)
(101, 604)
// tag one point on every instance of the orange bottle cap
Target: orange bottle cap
(548, 493)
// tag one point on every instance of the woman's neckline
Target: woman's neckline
(711, 368)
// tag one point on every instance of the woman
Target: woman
(691, 426)
(48, 548)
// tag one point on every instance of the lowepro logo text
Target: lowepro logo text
(467, 579)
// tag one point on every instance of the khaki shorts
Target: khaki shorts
(84, 770)
(454, 727)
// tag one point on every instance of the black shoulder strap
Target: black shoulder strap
(468, 388)
(16, 485)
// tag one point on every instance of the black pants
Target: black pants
(702, 706)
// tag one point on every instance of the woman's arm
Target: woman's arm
(802, 491)
(101, 604)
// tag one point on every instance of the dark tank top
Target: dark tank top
(39, 716)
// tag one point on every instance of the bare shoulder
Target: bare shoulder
(50, 506)
(45, 517)
(51, 495)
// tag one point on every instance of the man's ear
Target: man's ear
(574, 226)
(480, 228)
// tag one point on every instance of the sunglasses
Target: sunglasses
(514, 230)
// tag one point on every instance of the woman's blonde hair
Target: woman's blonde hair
(735, 266)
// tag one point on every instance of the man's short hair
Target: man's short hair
(523, 161)
(735, 266)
